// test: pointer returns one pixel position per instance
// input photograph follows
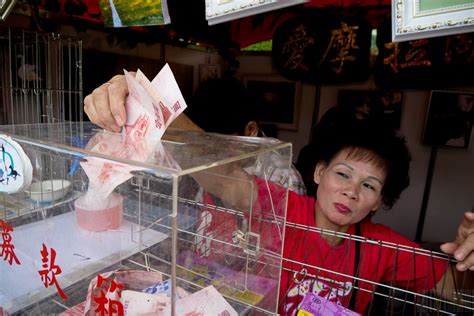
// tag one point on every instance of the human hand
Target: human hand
(463, 247)
(105, 106)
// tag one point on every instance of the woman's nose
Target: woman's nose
(351, 190)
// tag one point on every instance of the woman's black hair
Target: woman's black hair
(221, 105)
(374, 141)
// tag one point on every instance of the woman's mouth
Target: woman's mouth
(342, 208)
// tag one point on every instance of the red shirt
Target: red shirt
(329, 269)
(333, 266)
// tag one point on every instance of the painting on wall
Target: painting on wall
(121, 13)
(426, 18)
(277, 100)
(449, 119)
(385, 105)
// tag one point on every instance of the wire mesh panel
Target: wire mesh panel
(372, 275)
(40, 78)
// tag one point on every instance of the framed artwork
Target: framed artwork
(384, 105)
(277, 100)
(218, 11)
(5, 7)
(449, 119)
(418, 19)
(122, 13)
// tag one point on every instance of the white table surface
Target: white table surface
(21, 285)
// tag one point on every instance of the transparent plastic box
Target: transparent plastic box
(162, 222)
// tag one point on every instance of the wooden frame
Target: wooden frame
(417, 19)
(276, 100)
(5, 7)
(449, 119)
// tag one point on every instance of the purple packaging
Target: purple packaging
(319, 306)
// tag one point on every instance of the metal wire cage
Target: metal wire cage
(371, 276)
(40, 78)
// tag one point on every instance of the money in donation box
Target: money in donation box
(150, 107)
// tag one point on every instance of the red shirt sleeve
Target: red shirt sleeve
(407, 265)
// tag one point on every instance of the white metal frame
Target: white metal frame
(410, 23)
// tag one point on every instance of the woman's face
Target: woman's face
(348, 190)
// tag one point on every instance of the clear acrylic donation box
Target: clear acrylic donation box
(95, 222)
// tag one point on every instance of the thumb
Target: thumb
(449, 247)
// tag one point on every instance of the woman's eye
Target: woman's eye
(369, 186)
(342, 174)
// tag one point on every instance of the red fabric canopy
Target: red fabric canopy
(247, 31)
(347, 3)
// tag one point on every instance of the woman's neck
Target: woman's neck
(323, 222)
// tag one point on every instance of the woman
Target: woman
(359, 171)
(363, 167)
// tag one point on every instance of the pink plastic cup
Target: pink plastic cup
(100, 219)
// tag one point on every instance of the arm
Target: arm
(105, 107)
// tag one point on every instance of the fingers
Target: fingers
(467, 225)
(449, 248)
(105, 106)
(463, 248)
(465, 261)
(118, 91)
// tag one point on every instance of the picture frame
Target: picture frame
(449, 119)
(383, 105)
(219, 11)
(276, 99)
(417, 19)
(5, 7)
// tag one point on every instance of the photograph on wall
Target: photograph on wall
(449, 119)
(383, 105)
(123, 13)
(276, 100)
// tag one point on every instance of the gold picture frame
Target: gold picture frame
(417, 19)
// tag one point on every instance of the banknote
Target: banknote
(198, 304)
(144, 121)
(166, 85)
(160, 106)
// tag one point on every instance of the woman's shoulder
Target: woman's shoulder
(381, 232)
(300, 208)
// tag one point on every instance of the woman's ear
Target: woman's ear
(318, 172)
(251, 129)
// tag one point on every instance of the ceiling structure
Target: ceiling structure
(189, 24)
